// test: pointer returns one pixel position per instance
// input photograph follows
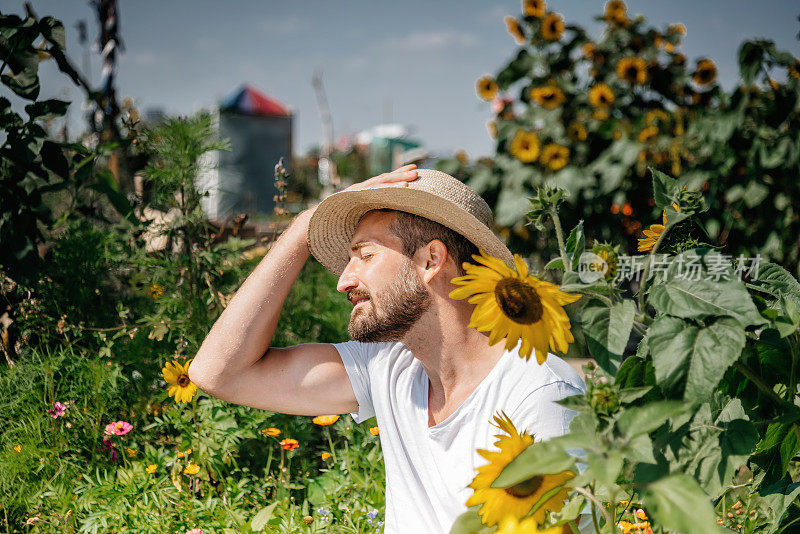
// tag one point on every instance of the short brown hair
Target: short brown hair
(415, 231)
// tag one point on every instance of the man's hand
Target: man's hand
(396, 178)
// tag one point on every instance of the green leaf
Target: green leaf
(53, 30)
(539, 458)
(44, 110)
(607, 331)
(665, 189)
(555, 263)
(644, 419)
(750, 57)
(260, 520)
(779, 497)
(676, 502)
(575, 245)
(470, 523)
(692, 357)
(604, 466)
(683, 296)
(777, 281)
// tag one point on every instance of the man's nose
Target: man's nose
(347, 280)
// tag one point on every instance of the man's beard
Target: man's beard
(392, 312)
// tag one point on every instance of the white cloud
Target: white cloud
(283, 26)
(431, 40)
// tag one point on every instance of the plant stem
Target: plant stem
(760, 384)
(599, 505)
(330, 443)
(560, 237)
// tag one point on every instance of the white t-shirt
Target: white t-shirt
(428, 469)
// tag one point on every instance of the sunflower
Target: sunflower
(487, 88)
(514, 29)
(616, 13)
(648, 134)
(610, 256)
(577, 131)
(525, 146)
(656, 115)
(177, 376)
(601, 115)
(548, 96)
(491, 127)
(632, 69)
(651, 236)
(705, 73)
(515, 501)
(510, 525)
(677, 29)
(589, 51)
(794, 69)
(511, 304)
(552, 27)
(555, 156)
(601, 95)
(325, 420)
(534, 8)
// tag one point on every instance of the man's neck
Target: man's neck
(455, 357)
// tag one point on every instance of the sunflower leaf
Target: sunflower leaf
(607, 331)
(665, 189)
(540, 458)
(676, 502)
(576, 245)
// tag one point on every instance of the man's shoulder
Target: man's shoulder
(370, 351)
(554, 370)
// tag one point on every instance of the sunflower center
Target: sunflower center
(518, 300)
(525, 488)
(183, 381)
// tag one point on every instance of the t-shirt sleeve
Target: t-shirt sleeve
(541, 416)
(355, 358)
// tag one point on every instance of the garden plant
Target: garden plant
(683, 294)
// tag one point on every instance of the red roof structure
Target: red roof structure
(249, 101)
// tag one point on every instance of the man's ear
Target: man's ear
(433, 260)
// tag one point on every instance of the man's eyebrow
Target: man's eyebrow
(356, 246)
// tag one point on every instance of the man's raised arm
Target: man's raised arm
(237, 364)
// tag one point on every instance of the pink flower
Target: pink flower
(118, 428)
(57, 410)
(195, 531)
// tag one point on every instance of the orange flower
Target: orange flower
(677, 28)
(601, 95)
(588, 50)
(271, 431)
(192, 469)
(326, 455)
(648, 134)
(548, 96)
(325, 420)
(487, 88)
(290, 444)
(616, 12)
(374, 430)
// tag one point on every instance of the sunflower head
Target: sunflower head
(525, 146)
(794, 69)
(177, 378)
(601, 95)
(589, 51)
(555, 156)
(517, 307)
(534, 8)
(655, 116)
(705, 73)
(632, 70)
(487, 88)
(616, 12)
(610, 255)
(548, 96)
(552, 27)
(515, 501)
(577, 131)
(648, 134)
(677, 29)
(513, 27)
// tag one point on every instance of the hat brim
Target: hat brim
(334, 222)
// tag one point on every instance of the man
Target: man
(396, 241)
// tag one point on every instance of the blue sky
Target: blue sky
(413, 62)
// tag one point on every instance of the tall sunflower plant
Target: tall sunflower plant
(690, 422)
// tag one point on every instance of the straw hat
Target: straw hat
(434, 195)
